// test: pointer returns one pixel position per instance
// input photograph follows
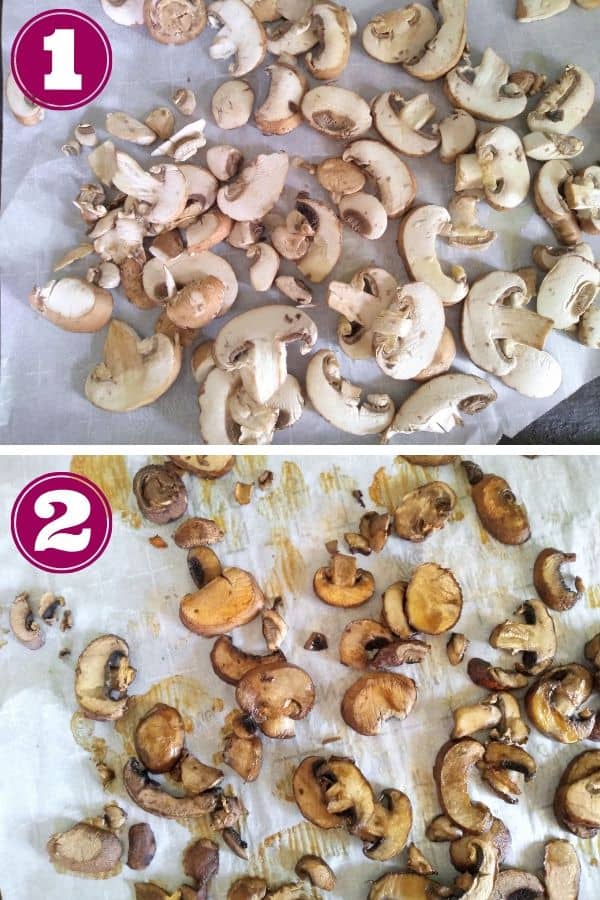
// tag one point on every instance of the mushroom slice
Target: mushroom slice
(501, 767)
(188, 268)
(443, 51)
(453, 765)
(364, 214)
(582, 194)
(255, 344)
(159, 737)
(562, 871)
(185, 143)
(294, 289)
(497, 507)
(309, 794)
(577, 799)
(280, 112)
(230, 663)
(240, 35)
(202, 186)
(545, 145)
(565, 103)
(73, 304)
(336, 112)
(416, 244)
(203, 565)
(197, 304)
(401, 885)
(360, 639)
(244, 756)
(330, 57)
(195, 776)
(224, 161)
(545, 257)
(403, 123)
(135, 371)
(549, 580)
(126, 128)
(265, 266)
(369, 292)
(568, 290)
(293, 37)
(458, 132)
(316, 870)
(86, 849)
(548, 189)
(152, 797)
(389, 826)
(535, 638)
(158, 282)
(124, 12)
(439, 404)
(224, 603)
(174, 21)
(232, 104)
(554, 703)
(340, 176)
(325, 247)
(102, 677)
(465, 230)
(395, 182)
(247, 889)
(393, 613)
(212, 228)
(160, 493)
(375, 698)
(342, 583)
(433, 601)
(399, 35)
(423, 511)
(485, 90)
(256, 189)
(23, 109)
(498, 167)
(536, 373)
(407, 334)
(276, 696)
(417, 862)
(535, 10)
(22, 623)
(493, 678)
(346, 791)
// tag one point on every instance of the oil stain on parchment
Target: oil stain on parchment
(593, 596)
(217, 503)
(288, 497)
(283, 849)
(388, 488)
(248, 468)
(111, 475)
(289, 569)
(336, 481)
(83, 731)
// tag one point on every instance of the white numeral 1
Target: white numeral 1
(62, 77)
(53, 536)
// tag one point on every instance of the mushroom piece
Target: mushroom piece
(577, 799)
(346, 791)
(497, 507)
(339, 402)
(395, 182)
(568, 290)
(150, 796)
(342, 583)
(493, 678)
(465, 230)
(256, 190)
(535, 638)
(201, 862)
(545, 145)
(185, 143)
(364, 214)
(309, 794)
(554, 703)
(403, 123)
(498, 167)
(23, 108)
(280, 112)
(588, 332)
(316, 870)
(389, 826)
(545, 257)
(244, 756)
(102, 677)
(336, 112)
(375, 698)
(292, 37)
(512, 728)
(240, 35)
(164, 188)
(423, 511)
(340, 176)
(433, 600)
(582, 193)
(375, 529)
(417, 862)
(453, 765)
(565, 103)
(232, 104)
(407, 334)
(488, 322)
(549, 581)
(22, 624)
(458, 132)
(276, 696)
(142, 846)
(438, 405)
(393, 613)
(255, 345)
(369, 292)
(456, 648)
(224, 161)
(264, 267)
(331, 55)
(535, 10)
(195, 777)
(160, 493)
(360, 640)
(228, 601)
(401, 885)
(548, 189)
(502, 767)
(536, 372)
(188, 268)
(126, 128)
(174, 21)
(247, 888)
(562, 870)
(416, 244)
(210, 229)
(86, 849)
(462, 852)
(159, 738)
(274, 626)
(325, 247)
(485, 90)
(442, 52)
(197, 304)
(73, 304)
(197, 532)
(398, 36)
(295, 289)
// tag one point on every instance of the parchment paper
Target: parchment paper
(48, 780)
(44, 369)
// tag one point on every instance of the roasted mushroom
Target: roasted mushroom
(309, 795)
(424, 510)
(501, 767)
(210, 467)
(562, 871)
(388, 827)
(360, 642)
(549, 580)
(577, 799)
(554, 703)
(276, 696)
(86, 849)
(142, 846)
(197, 532)
(160, 493)
(201, 862)
(347, 792)
(433, 601)
(203, 565)
(497, 507)
(342, 583)
(456, 648)
(375, 698)
(453, 766)
(230, 663)
(375, 528)
(159, 738)
(153, 798)
(228, 601)
(102, 677)
(23, 625)
(316, 871)
(248, 888)
(535, 639)
(493, 678)
(394, 614)
(244, 755)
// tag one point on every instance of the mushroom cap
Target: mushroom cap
(417, 237)
(500, 513)
(228, 601)
(408, 332)
(549, 581)
(86, 849)
(399, 35)
(355, 590)
(453, 765)
(336, 111)
(565, 103)
(230, 664)
(438, 405)
(232, 104)
(443, 51)
(484, 90)
(433, 600)
(568, 290)
(256, 190)
(73, 305)
(375, 698)
(395, 182)
(276, 696)
(403, 123)
(159, 738)
(240, 35)
(188, 268)
(93, 680)
(505, 172)
(423, 511)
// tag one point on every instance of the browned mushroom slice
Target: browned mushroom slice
(399, 653)
(403, 885)
(429, 460)
(22, 623)
(151, 796)
(360, 641)
(316, 641)
(493, 678)
(394, 614)
(592, 651)
(201, 862)
(433, 602)
(342, 583)
(577, 799)
(417, 862)
(197, 532)
(476, 717)
(453, 766)
(549, 580)
(554, 703)
(205, 466)
(204, 565)
(461, 850)
(159, 738)
(244, 755)
(102, 676)
(375, 698)
(388, 829)
(248, 888)
(228, 601)
(86, 849)
(535, 639)
(442, 829)
(562, 871)
(346, 792)
(512, 728)
(456, 648)
(501, 767)
(497, 507)
(309, 794)
(357, 543)
(160, 493)
(230, 663)
(517, 883)
(141, 847)
(317, 871)
(276, 696)
(375, 528)
(195, 776)
(148, 890)
(424, 510)
(174, 21)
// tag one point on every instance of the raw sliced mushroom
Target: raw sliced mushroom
(417, 237)
(294, 289)
(536, 373)
(86, 849)
(369, 292)
(465, 230)
(280, 112)
(545, 145)
(375, 698)
(577, 800)
(433, 600)
(407, 334)
(126, 128)
(210, 229)
(232, 104)
(548, 190)
(336, 112)
(498, 167)
(197, 304)
(545, 256)
(395, 182)
(562, 870)
(568, 290)
(102, 677)
(23, 109)
(535, 10)
(150, 796)
(292, 37)
(342, 583)
(453, 765)
(276, 696)
(443, 51)
(565, 103)
(588, 332)
(224, 603)
(73, 305)
(582, 194)
(165, 188)
(458, 132)
(162, 122)
(174, 21)
(404, 123)
(439, 404)
(497, 507)
(331, 55)
(400, 35)
(309, 795)
(256, 190)
(535, 638)
(423, 511)
(549, 580)
(485, 90)
(224, 161)
(230, 663)
(325, 246)
(264, 267)
(185, 143)
(340, 176)
(364, 214)
(22, 624)
(555, 703)
(240, 35)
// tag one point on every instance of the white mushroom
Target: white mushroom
(444, 50)
(457, 132)
(103, 162)
(485, 90)
(85, 134)
(255, 344)
(443, 358)
(265, 266)
(73, 304)
(203, 361)
(256, 189)
(416, 242)
(465, 230)
(135, 371)
(216, 424)
(245, 234)
(224, 161)
(403, 123)
(406, 335)
(399, 35)
(202, 185)
(185, 143)
(280, 113)
(568, 290)
(107, 275)
(124, 12)
(490, 316)
(264, 10)
(535, 10)
(22, 108)
(158, 281)
(326, 244)
(364, 214)
(359, 302)
(337, 112)
(232, 104)
(332, 53)
(339, 401)
(240, 35)
(293, 37)
(438, 405)
(499, 167)
(535, 373)
(545, 145)
(122, 241)
(340, 177)
(293, 10)
(185, 101)
(164, 188)
(545, 257)
(188, 268)
(588, 332)
(548, 189)
(212, 228)
(565, 103)
(127, 128)
(395, 182)
(258, 422)
(72, 256)
(294, 289)
(162, 122)
(292, 238)
(582, 193)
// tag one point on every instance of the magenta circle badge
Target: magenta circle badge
(61, 522)
(61, 59)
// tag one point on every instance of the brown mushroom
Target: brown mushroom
(554, 703)
(22, 623)
(276, 696)
(401, 885)
(433, 601)
(228, 601)
(375, 698)
(577, 799)
(274, 626)
(342, 583)
(375, 529)
(230, 663)
(195, 777)
(316, 870)
(592, 650)
(316, 641)
(201, 862)
(244, 756)
(203, 565)
(142, 846)
(347, 792)
(497, 507)
(102, 677)
(248, 888)
(360, 640)
(160, 493)
(501, 766)
(151, 796)
(174, 21)
(456, 648)
(197, 532)
(474, 717)
(417, 862)
(210, 467)
(400, 652)
(562, 871)
(425, 461)
(424, 510)
(443, 829)
(493, 678)
(86, 849)
(148, 890)
(226, 816)
(549, 581)
(393, 612)
(512, 728)
(535, 639)
(453, 766)
(159, 738)
(357, 543)
(309, 795)
(389, 826)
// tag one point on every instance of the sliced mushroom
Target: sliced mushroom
(369, 292)
(588, 332)
(195, 776)
(502, 768)
(395, 182)
(375, 529)
(375, 698)
(512, 728)
(165, 188)
(86, 849)
(485, 90)
(554, 703)
(256, 189)
(295, 289)
(545, 145)
(293, 37)
(433, 601)
(244, 756)
(174, 21)
(325, 247)
(416, 244)
(153, 798)
(330, 56)
(497, 508)
(453, 765)
(336, 112)
(394, 614)
(438, 405)
(197, 304)
(224, 161)
(577, 799)
(360, 640)
(228, 601)
(276, 696)
(548, 189)
(401, 885)
(316, 870)
(188, 268)
(582, 194)
(535, 10)
(424, 511)
(247, 888)
(400, 653)
(280, 112)
(545, 256)
(310, 795)
(535, 638)
(398, 36)
(240, 35)
(458, 132)
(465, 230)
(264, 267)
(185, 143)
(347, 791)
(562, 870)
(201, 863)
(417, 862)
(23, 108)
(498, 167)
(549, 580)
(456, 648)
(536, 372)
(73, 304)
(565, 103)
(568, 290)
(342, 583)
(22, 624)
(389, 826)
(232, 104)
(407, 334)
(442, 52)
(102, 677)
(340, 176)
(592, 651)
(142, 846)
(493, 678)
(404, 123)
(364, 214)
(160, 493)
(212, 228)
(126, 128)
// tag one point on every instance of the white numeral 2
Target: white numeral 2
(52, 536)
(62, 77)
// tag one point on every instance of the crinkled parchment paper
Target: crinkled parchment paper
(48, 776)
(44, 369)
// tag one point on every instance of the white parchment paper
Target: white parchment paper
(44, 369)
(48, 780)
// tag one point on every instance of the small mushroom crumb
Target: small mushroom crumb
(107, 775)
(456, 648)
(22, 623)
(243, 493)
(142, 846)
(65, 653)
(158, 542)
(316, 641)
(274, 626)
(48, 608)
(331, 547)
(265, 479)
(316, 871)
(197, 532)
(66, 622)
(358, 496)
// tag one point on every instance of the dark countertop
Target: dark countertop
(574, 421)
